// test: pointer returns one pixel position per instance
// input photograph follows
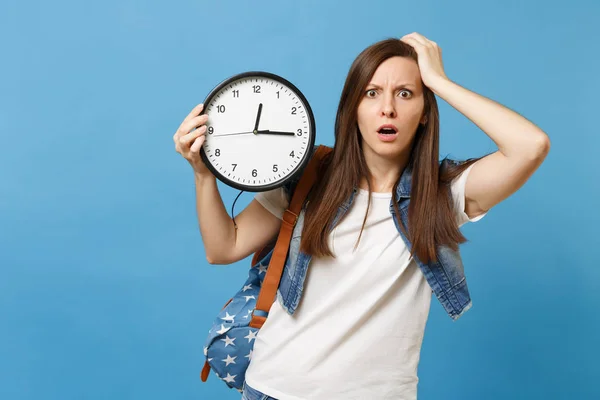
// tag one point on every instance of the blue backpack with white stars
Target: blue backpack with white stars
(228, 348)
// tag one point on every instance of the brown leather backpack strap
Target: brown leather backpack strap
(271, 280)
(205, 371)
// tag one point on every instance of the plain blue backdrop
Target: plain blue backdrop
(105, 292)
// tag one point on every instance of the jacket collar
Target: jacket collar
(403, 188)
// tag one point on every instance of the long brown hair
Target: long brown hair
(431, 223)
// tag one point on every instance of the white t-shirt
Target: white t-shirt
(358, 329)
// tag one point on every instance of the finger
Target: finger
(411, 42)
(186, 127)
(195, 147)
(419, 46)
(422, 40)
(407, 39)
(195, 111)
(190, 137)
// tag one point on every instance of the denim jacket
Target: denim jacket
(446, 276)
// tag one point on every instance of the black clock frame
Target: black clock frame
(311, 140)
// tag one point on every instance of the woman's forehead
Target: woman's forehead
(396, 71)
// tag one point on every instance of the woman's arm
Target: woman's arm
(522, 146)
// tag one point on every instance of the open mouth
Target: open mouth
(387, 129)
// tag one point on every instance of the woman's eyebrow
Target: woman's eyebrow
(401, 85)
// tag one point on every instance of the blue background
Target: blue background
(105, 291)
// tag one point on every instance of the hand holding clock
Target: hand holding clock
(188, 142)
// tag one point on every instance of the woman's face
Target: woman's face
(393, 96)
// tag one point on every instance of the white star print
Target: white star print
(228, 317)
(229, 360)
(228, 341)
(251, 335)
(247, 287)
(262, 269)
(249, 297)
(206, 351)
(229, 378)
(249, 355)
(223, 330)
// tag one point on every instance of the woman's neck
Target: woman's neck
(385, 172)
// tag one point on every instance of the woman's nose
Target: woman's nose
(388, 111)
(387, 107)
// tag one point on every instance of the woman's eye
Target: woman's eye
(409, 93)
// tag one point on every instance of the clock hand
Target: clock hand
(232, 134)
(257, 117)
(268, 132)
(276, 133)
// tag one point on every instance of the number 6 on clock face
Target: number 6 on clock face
(261, 131)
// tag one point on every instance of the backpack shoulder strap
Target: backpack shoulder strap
(290, 216)
(290, 187)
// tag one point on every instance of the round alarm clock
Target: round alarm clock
(260, 131)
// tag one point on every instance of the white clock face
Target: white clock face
(250, 156)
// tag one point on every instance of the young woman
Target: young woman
(380, 228)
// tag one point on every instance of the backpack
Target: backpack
(228, 347)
